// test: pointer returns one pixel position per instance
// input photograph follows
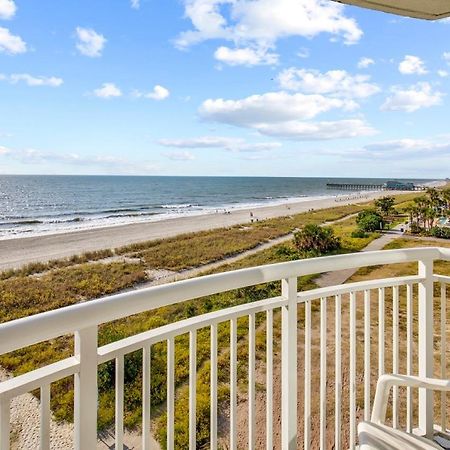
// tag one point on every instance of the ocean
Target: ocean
(32, 205)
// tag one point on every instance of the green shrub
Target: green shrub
(314, 240)
(443, 233)
(369, 220)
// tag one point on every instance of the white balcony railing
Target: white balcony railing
(326, 417)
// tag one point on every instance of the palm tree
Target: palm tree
(445, 195)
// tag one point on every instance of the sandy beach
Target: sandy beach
(20, 251)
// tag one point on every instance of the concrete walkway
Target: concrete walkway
(341, 276)
(159, 277)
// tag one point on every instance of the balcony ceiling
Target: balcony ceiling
(421, 9)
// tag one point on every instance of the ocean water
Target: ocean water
(33, 205)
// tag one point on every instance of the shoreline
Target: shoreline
(81, 216)
(25, 250)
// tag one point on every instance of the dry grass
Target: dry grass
(193, 250)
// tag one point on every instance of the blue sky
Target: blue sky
(221, 87)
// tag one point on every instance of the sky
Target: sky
(222, 88)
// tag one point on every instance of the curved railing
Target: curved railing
(349, 328)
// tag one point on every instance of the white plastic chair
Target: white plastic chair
(375, 435)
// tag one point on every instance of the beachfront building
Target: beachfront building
(400, 186)
(361, 363)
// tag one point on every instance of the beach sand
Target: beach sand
(20, 251)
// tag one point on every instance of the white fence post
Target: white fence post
(85, 413)
(426, 360)
(289, 366)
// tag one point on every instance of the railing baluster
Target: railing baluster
(307, 410)
(213, 437)
(45, 418)
(352, 370)
(409, 353)
(289, 365)
(381, 331)
(251, 383)
(233, 384)
(443, 353)
(323, 372)
(5, 418)
(425, 347)
(338, 375)
(120, 368)
(269, 379)
(170, 394)
(146, 399)
(86, 392)
(395, 331)
(193, 389)
(367, 350)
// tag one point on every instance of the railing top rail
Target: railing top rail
(26, 382)
(442, 278)
(41, 327)
(357, 287)
(445, 253)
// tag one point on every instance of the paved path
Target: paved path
(165, 276)
(341, 276)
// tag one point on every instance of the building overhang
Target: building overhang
(420, 9)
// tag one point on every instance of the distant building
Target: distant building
(399, 186)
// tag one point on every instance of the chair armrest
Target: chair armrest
(387, 381)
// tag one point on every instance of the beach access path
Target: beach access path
(18, 252)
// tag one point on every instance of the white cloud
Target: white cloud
(442, 73)
(225, 143)
(270, 107)
(266, 20)
(245, 56)
(400, 149)
(158, 93)
(401, 144)
(108, 90)
(104, 163)
(446, 57)
(420, 95)
(90, 43)
(261, 23)
(31, 80)
(301, 131)
(9, 43)
(412, 65)
(135, 4)
(338, 83)
(286, 116)
(180, 156)
(365, 62)
(7, 9)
